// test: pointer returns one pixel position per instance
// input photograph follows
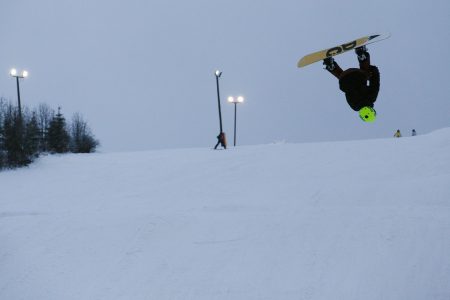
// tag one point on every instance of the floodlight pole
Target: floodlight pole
(18, 97)
(235, 109)
(24, 74)
(235, 101)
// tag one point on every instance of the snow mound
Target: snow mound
(345, 220)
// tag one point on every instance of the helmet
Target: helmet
(367, 114)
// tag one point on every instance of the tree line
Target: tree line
(26, 134)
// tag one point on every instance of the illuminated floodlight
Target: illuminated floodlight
(235, 100)
(15, 73)
(218, 73)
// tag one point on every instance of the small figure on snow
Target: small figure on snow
(414, 133)
(398, 134)
(353, 82)
(221, 140)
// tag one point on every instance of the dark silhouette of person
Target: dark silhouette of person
(221, 140)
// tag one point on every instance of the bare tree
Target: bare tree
(81, 138)
(44, 116)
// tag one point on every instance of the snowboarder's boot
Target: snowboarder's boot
(332, 67)
(329, 64)
(362, 53)
(363, 58)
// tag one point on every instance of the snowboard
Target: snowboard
(333, 51)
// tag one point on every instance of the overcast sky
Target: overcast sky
(142, 72)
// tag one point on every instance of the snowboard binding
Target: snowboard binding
(329, 64)
(362, 53)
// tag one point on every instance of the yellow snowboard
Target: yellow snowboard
(321, 55)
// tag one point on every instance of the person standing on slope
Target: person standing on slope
(353, 82)
(398, 134)
(221, 140)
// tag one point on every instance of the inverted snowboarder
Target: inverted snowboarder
(360, 86)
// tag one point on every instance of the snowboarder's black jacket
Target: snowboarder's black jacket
(353, 82)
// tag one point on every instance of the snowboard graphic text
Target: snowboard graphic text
(342, 48)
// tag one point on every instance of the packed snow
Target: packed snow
(343, 220)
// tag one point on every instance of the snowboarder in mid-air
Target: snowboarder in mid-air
(353, 82)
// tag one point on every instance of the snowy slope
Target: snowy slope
(348, 220)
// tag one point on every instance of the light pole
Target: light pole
(221, 137)
(218, 74)
(237, 100)
(23, 74)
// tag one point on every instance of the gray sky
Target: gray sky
(141, 72)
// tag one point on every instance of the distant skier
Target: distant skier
(221, 140)
(353, 82)
(414, 133)
(398, 134)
